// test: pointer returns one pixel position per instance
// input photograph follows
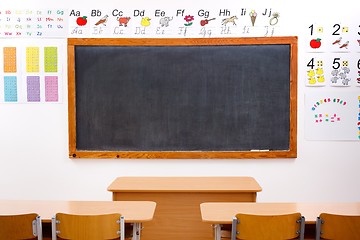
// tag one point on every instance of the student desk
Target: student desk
(178, 199)
(135, 212)
(220, 214)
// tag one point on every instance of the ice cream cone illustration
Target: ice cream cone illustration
(253, 16)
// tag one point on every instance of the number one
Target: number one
(311, 29)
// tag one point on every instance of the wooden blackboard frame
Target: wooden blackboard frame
(75, 153)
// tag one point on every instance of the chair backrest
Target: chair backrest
(22, 226)
(88, 227)
(339, 227)
(268, 227)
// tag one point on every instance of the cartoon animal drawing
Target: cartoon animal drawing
(123, 21)
(145, 21)
(319, 71)
(345, 81)
(345, 45)
(229, 20)
(103, 20)
(334, 79)
(312, 80)
(342, 75)
(337, 41)
(164, 22)
(311, 73)
(335, 72)
(321, 79)
(346, 70)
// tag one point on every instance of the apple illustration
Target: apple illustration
(315, 43)
(81, 21)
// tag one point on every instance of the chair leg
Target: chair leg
(122, 228)
(318, 228)
(53, 228)
(302, 228)
(233, 228)
(39, 228)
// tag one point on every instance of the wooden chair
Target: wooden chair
(339, 227)
(268, 227)
(88, 227)
(22, 226)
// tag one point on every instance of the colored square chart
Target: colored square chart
(10, 59)
(33, 88)
(51, 89)
(51, 59)
(10, 89)
(32, 59)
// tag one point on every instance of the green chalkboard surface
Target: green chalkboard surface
(212, 98)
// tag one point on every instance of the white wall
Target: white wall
(34, 161)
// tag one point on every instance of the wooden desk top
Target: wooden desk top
(222, 213)
(133, 211)
(184, 184)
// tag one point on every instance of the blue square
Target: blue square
(10, 89)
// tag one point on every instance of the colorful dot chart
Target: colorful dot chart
(32, 59)
(33, 88)
(51, 59)
(10, 89)
(10, 60)
(51, 89)
(31, 73)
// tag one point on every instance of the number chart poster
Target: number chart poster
(332, 80)
(30, 73)
(333, 55)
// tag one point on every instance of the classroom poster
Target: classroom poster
(33, 23)
(32, 71)
(167, 22)
(332, 115)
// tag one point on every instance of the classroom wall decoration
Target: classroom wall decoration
(31, 74)
(331, 63)
(332, 115)
(33, 23)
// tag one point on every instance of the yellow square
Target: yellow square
(345, 63)
(320, 63)
(320, 29)
(345, 29)
(32, 59)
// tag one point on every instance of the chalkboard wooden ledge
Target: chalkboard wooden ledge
(215, 98)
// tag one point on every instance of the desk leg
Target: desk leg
(217, 231)
(136, 231)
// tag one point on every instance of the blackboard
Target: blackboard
(182, 98)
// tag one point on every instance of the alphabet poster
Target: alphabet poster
(33, 23)
(168, 22)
